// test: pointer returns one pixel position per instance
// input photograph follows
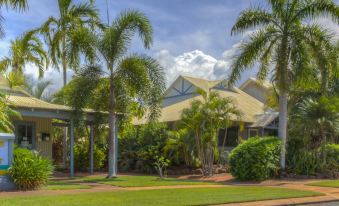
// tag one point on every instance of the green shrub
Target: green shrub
(81, 157)
(255, 159)
(29, 170)
(330, 153)
(301, 160)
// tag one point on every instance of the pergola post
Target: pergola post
(64, 147)
(72, 149)
(91, 149)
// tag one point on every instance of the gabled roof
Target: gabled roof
(202, 83)
(265, 84)
(249, 106)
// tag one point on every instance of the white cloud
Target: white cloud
(199, 64)
(195, 63)
(53, 75)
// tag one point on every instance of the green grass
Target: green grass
(164, 197)
(61, 185)
(330, 183)
(144, 181)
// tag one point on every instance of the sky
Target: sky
(191, 37)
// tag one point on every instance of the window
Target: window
(25, 135)
(231, 139)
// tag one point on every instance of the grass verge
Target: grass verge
(164, 197)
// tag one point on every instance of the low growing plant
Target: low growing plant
(255, 159)
(29, 170)
(160, 164)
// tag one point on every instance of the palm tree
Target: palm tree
(67, 35)
(6, 114)
(126, 79)
(320, 118)
(24, 50)
(202, 122)
(13, 4)
(282, 44)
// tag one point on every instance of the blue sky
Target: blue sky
(190, 36)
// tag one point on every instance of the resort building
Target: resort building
(249, 100)
(33, 128)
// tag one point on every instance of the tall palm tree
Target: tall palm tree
(126, 79)
(67, 35)
(24, 50)
(12, 4)
(282, 44)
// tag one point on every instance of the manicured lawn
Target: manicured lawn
(144, 181)
(61, 185)
(330, 183)
(164, 197)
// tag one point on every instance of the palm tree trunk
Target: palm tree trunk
(64, 140)
(282, 132)
(112, 134)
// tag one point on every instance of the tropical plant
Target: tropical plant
(81, 156)
(160, 165)
(255, 159)
(67, 36)
(127, 78)
(285, 44)
(29, 170)
(318, 118)
(138, 147)
(180, 148)
(6, 113)
(12, 4)
(38, 88)
(203, 120)
(24, 50)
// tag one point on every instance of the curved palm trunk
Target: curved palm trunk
(282, 132)
(112, 134)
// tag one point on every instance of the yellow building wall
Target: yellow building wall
(42, 125)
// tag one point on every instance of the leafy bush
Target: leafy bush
(81, 156)
(255, 159)
(160, 164)
(29, 170)
(330, 153)
(300, 159)
(139, 146)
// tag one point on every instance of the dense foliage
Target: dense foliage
(256, 159)
(289, 47)
(139, 146)
(202, 122)
(29, 170)
(82, 156)
(303, 160)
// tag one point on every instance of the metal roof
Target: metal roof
(248, 105)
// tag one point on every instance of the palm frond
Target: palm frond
(251, 18)
(250, 52)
